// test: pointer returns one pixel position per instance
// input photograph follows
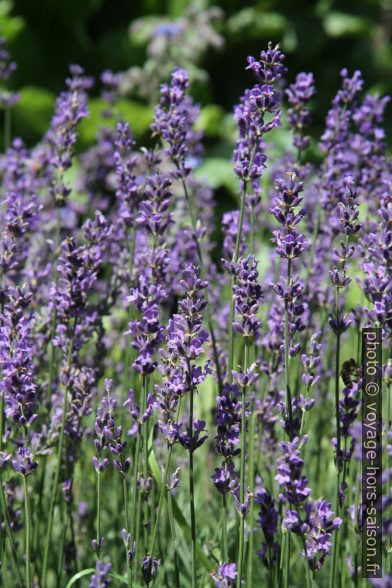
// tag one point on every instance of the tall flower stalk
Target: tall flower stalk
(257, 114)
(186, 338)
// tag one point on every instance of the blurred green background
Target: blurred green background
(320, 36)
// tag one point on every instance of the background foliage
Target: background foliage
(317, 36)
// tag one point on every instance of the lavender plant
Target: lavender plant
(169, 420)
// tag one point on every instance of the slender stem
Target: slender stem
(235, 259)
(191, 494)
(160, 501)
(98, 522)
(334, 568)
(27, 532)
(125, 494)
(174, 538)
(252, 230)
(137, 529)
(134, 483)
(7, 127)
(164, 488)
(14, 556)
(61, 551)
(135, 498)
(58, 467)
(225, 550)
(145, 464)
(313, 246)
(306, 563)
(284, 567)
(203, 276)
(242, 475)
(73, 537)
(337, 411)
(249, 582)
(289, 407)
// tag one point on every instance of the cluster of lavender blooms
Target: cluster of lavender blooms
(166, 418)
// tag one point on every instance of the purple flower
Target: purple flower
(225, 576)
(109, 436)
(147, 332)
(258, 113)
(129, 545)
(230, 222)
(268, 521)
(299, 95)
(311, 362)
(101, 577)
(269, 68)
(247, 294)
(111, 86)
(24, 462)
(193, 441)
(150, 568)
(228, 420)
(78, 268)
(7, 68)
(241, 507)
(317, 527)
(289, 242)
(18, 386)
(71, 109)
(21, 219)
(223, 478)
(174, 119)
(245, 378)
(294, 485)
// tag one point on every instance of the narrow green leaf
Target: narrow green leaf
(204, 560)
(80, 575)
(123, 580)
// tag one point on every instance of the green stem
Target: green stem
(125, 495)
(7, 128)
(225, 550)
(289, 407)
(164, 488)
(192, 494)
(242, 475)
(61, 551)
(160, 501)
(337, 412)
(58, 467)
(284, 559)
(306, 563)
(98, 536)
(333, 580)
(137, 529)
(27, 532)
(252, 230)
(134, 483)
(203, 276)
(145, 464)
(249, 582)
(235, 260)
(174, 538)
(14, 556)
(135, 498)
